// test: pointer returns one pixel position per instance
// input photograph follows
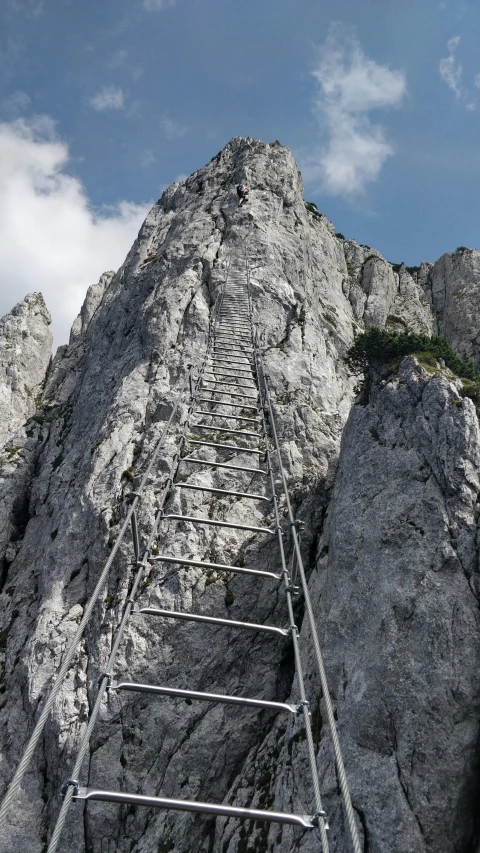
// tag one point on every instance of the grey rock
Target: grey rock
(107, 398)
(453, 287)
(382, 297)
(399, 587)
(25, 352)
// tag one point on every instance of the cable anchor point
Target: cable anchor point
(70, 783)
(315, 819)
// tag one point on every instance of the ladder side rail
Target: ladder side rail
(320, 815)
(342, 778)
(15, 783)
(130, 520)
(72, 784)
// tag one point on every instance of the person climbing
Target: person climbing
(242, 192)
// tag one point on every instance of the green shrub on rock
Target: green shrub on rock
(378, 347)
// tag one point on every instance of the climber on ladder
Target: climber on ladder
(242, 192)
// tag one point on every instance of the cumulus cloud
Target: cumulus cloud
(451, 70)
(173, 129)
(108, 98)
(51, 240)
(350, 85)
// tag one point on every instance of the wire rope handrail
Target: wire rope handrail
(342, 778)
(224, 305)
(130, 520)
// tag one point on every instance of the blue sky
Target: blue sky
(103, 103)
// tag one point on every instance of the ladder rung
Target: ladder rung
(222, 403)
(215, 371)
(241, 339)
(230, 351)
(210, 620)
(83, 793)
(216, 523)
(249, 387)
(223, 698)
(222, 465)
(233, 326)
(230, 393)
(245, 375)
(228, 417)
(224, 362)
(257, 450)
(238, 351)
(215, 428)
(243, 361)
(238, 339)
(222, 491)
(216, 567)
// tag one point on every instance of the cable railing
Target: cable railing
(130, 521)
(231, 386)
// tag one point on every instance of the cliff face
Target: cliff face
(391, 551)
(25, 348)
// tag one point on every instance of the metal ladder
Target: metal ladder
(230, 397)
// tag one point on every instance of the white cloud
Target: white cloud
(51, 240)
(477, 81)
(173, 129)
(108, 98)
(350, 85)
(155, 5)
(451, 70)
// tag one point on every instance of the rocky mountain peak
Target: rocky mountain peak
(387, 487)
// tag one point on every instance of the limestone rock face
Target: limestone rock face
(399, 582)
(390, 558)
(25, 351)
(380, 296)
(453, 289)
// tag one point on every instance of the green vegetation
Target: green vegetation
(380, 347)
(312, 208)
(393, 320)
(330, 319)
(229, 598)
(351, 269)
(339, 235)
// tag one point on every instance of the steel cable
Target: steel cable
(342, 777)
(103, 685)
(16, 781)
